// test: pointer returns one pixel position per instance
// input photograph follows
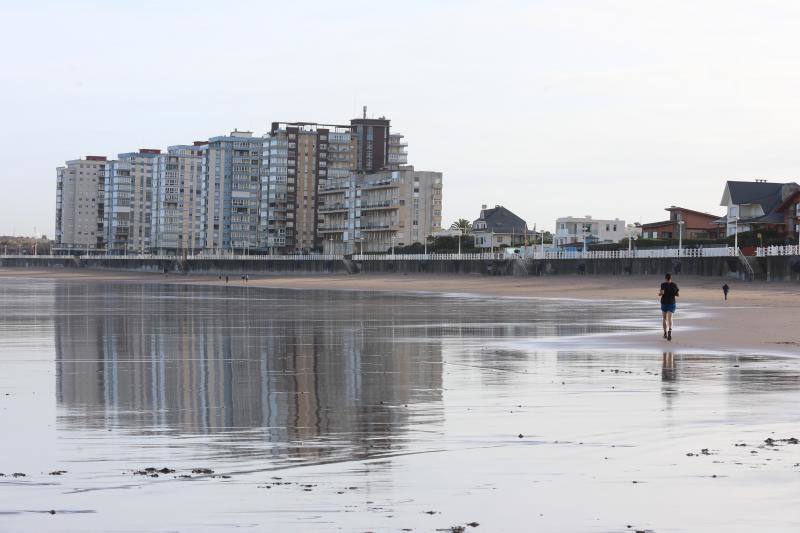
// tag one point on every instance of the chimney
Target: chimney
(483, 206)
(365, 111)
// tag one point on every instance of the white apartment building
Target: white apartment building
(382, 210)
(231, 191)
(128, 201)
(79, 205)
(574, 230)
(177, 200)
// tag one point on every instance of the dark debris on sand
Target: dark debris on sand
(152, 471)
(773, 442)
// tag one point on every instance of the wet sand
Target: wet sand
(758, 316)
(370, 410)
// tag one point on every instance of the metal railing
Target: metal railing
(198, 257)
(526, 253)
(431, 257)
(765, 251)
(653, 253)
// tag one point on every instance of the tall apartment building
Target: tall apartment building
(384, 210)
(80, 205)
(128, 201)
(398, 156)
(231, 192)
(300, 158)
(177, 200)
(372, 138)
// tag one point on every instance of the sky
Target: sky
(615, 109)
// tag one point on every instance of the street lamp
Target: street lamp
(680, 238)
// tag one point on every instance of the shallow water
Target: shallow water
(378, 412)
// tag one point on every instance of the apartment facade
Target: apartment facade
(80, 205)
(298, 189)
(177, 200)
(386, 209)
(299, 159)
(372, 140)
(231, 192)
(129, 195)
(577, 230)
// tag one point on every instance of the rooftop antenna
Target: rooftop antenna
(365, 111)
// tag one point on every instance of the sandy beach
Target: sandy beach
(758, 317)
(138, 402)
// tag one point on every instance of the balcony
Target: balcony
(332, 228)
(381, 184)
(332, 189)
(333, 208)
(379, 227)
(380, 206)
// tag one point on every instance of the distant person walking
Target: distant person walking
(668, 293)
(725, 290)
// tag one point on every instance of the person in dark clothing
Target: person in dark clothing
(668, 293)
(725, 290)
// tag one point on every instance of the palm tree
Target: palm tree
(462, 224)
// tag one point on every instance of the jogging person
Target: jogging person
(725, 290)
(668, 293)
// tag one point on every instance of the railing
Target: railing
(764, 251)
(197, 257)
(527, 253)
(655, 253)
(430, 257)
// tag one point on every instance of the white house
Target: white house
(570, 230)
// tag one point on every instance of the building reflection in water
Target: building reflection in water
(298, 366)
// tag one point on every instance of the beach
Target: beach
(356, 403)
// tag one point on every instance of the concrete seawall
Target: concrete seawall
(776, 268)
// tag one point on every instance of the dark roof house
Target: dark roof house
(758, 201)
(499, 220)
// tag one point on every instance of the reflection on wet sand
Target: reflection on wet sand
(668, 371)
(167, 359)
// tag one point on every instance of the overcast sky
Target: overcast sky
(551, 108)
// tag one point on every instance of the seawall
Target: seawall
(774, 268)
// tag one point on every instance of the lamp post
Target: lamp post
(680, 238)
(542, 237)
(584, 229)
(460, 230)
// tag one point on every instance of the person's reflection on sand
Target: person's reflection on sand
(669, 375)
(668, 372)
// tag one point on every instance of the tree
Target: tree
(462, 224)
